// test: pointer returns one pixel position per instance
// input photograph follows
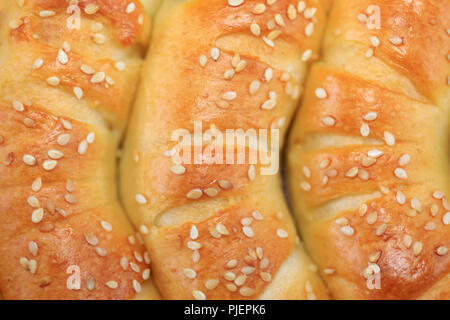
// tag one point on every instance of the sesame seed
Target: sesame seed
(240, 280)
(62, 57)
(106, 226)
(222, 104)
(370, 116)
(269, 104)
(78, 92)
(225, 184)
(246, 291)
(230, 276)
(291, 12)
(372, 218)
(229, 95)
(130, 7)
(203, 60)
(55, 154)
(33, 248)
(82, 147)
(36, 185)
(98, 38)
(362, 18)
(146, 274)
(194, 194)
(438, 195)
(342, 221)
(235, 3)
(375, 41)
(306, 172)
(362, 210)
(273, 35)
(400, 197)
(46, 13)
(248, 231)
(301, 6)
(91, 239)
(215, 53)
(28, 159)
(222, 229)
(70, 198)
(309, 13)
(63, 139)
(417, 248)
(368, 161)
(231, 264)
(269, 42)
(38, 63)
(306, 55)
(328, 121)
(194, 233)
(364, 130)
(407, 241)
(396, 41)
(309, 29)
(32, 266)
(246, 221)
(281, 233)
(53, 81)
(389, 138)
(416, 205)
(14, 24)
(254, 86)
(442, 251)
(211, 192)
(178, 169)
(112, 284)
(247, 270)
(305, 186)
(351, 173)
(446, 219)
(264, 263)
(381, 229)
(189, 273)
(404, 160)
(197, 294)
(98, 77)
(87, 69)
(279, 20)
(430, 226)
(101, 251)
(257, 215)
(33, 202)
(229, 74)
(37, 215)
(18, 106)
(255, 29)
(140, 198)
(369, 53)
(259, 8)
(321, 93)
(194, 245)
(400, 173)
(347, 230)
(91, 8)
(211, 284)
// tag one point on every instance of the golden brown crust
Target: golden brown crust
(368, 157)
(62, 224)
(185, 79)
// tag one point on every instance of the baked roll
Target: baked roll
(69, 71)
(220, 231)
(368, 164)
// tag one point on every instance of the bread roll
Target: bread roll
(220, 231)
(372, 135)
(65, 94)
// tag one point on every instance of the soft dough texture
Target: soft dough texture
(64, 100)
(192, 217)
(368, 160)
